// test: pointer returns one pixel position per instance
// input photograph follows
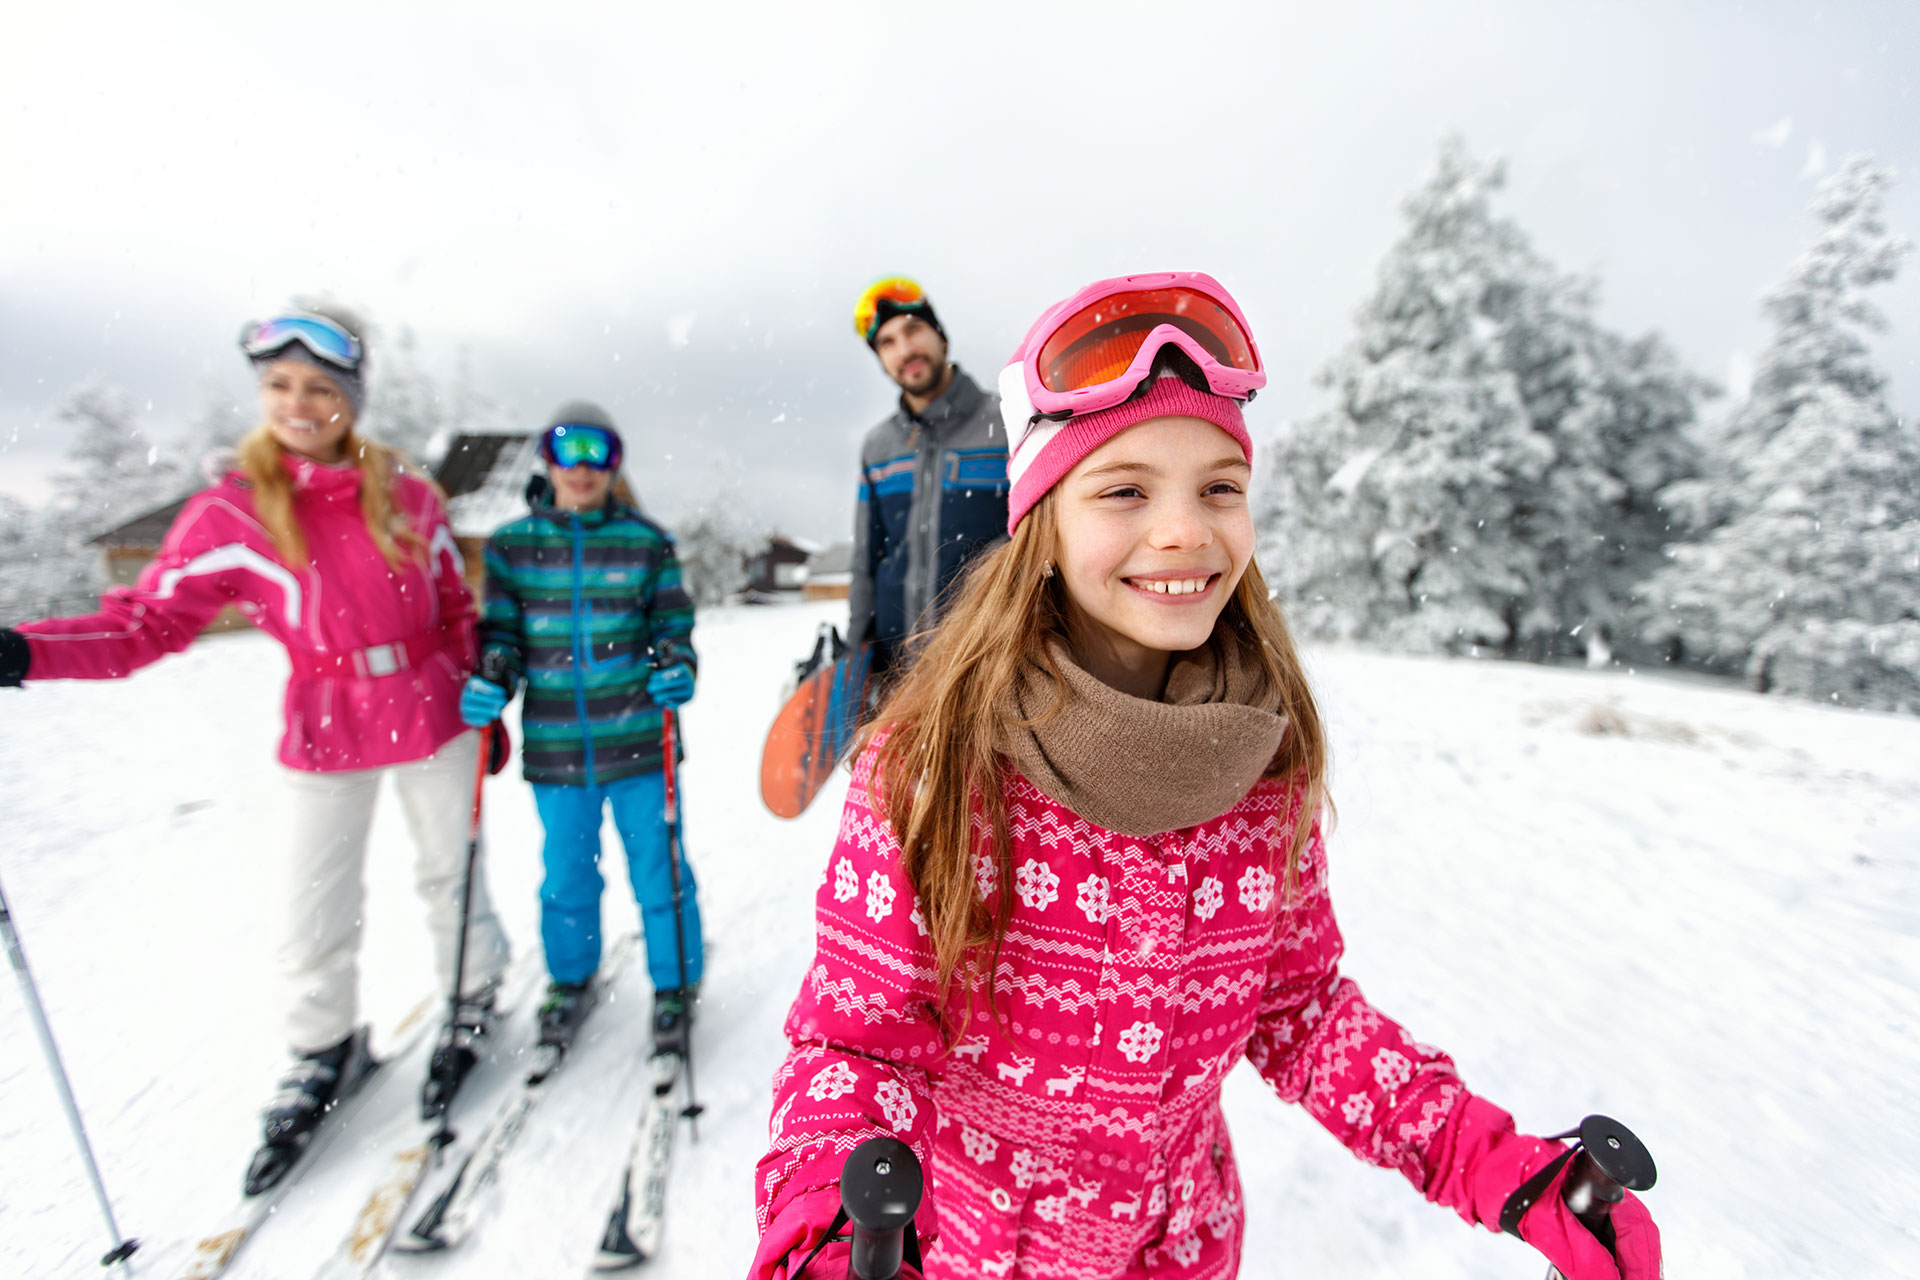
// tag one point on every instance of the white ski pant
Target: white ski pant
(326, 889)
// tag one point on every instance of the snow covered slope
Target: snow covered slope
(1686, 906)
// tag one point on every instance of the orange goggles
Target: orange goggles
(897, 293)
(1100, 342)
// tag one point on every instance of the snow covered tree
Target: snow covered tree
(1488, 475)
(712, 546)
(1806, 569)
(405, 406)
(216, 427)
(1619, 414)
(45, 566)
(115, 471)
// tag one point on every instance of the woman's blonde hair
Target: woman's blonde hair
(938, 774)
(261, 459)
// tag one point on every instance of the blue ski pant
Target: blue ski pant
(570, 894)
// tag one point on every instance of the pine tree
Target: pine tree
(1806, 572)
(1488, 475)
(115, 472)
(45, 566)
(405, 407)
(712, 546)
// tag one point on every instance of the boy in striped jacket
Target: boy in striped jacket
(584, 603)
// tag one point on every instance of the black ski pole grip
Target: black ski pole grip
(880, 1189)
(1606, 1160)
(667, 653)
(1612, 1162)
(497, 668)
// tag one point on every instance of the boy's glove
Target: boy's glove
(14, 658)
(481, 702)
(670, 687)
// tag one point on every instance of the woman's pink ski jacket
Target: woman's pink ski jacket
(378, 654)
(1085, 1139)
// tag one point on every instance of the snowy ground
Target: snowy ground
(1689, 907)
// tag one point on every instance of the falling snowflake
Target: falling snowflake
(1391, 1069)
(880, 896)
(980, 1147)
(1140, 1041)
(1358, 1110)
(1038, 885)
(836, 1080)
(1092, 899)
(897, 1101)
(1208, 897)
(1256, 889)
(846, 881)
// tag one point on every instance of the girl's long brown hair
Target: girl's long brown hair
(261, 458)
(938, 777)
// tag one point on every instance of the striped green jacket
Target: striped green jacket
(575, 602)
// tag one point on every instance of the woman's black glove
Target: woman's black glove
(14, 657)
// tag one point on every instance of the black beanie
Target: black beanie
(886, 309)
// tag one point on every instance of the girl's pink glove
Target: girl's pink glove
(790, 1238)
(1489, 1160)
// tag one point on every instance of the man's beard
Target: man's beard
(926, 381)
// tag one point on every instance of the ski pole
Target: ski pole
(674, 853)
(443, 1133)
(880, 1189)
(1605, 1163)
(122, 1247)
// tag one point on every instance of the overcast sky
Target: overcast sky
(673, 214)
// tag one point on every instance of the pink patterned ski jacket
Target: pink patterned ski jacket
(1088, 1143)
(378, 654)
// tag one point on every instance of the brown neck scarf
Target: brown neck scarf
(1137, 766)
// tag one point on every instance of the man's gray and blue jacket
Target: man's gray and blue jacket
(933, 494)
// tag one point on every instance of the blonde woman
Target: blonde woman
(331, 545)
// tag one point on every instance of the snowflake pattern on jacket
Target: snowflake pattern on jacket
(1083, 1138)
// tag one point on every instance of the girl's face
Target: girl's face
(306, 410)
(1154, 533)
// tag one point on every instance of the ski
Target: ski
(638, 1218)
(452, 1215)
(366, 1241)
(214, 1253)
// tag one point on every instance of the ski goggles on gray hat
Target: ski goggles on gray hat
(310, 339)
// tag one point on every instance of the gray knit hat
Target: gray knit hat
(584, 413)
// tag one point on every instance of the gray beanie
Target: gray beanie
(582, 413)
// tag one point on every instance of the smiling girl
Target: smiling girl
(335, 548)
(1080, 872)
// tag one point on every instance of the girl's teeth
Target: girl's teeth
(1175, 587)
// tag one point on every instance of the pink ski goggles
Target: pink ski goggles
(1096, 348)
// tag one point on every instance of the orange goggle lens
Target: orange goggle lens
(895, 289)
(1096, 344)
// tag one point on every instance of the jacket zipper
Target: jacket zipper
(580, 643)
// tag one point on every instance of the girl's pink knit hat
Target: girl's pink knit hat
(1042, 457)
